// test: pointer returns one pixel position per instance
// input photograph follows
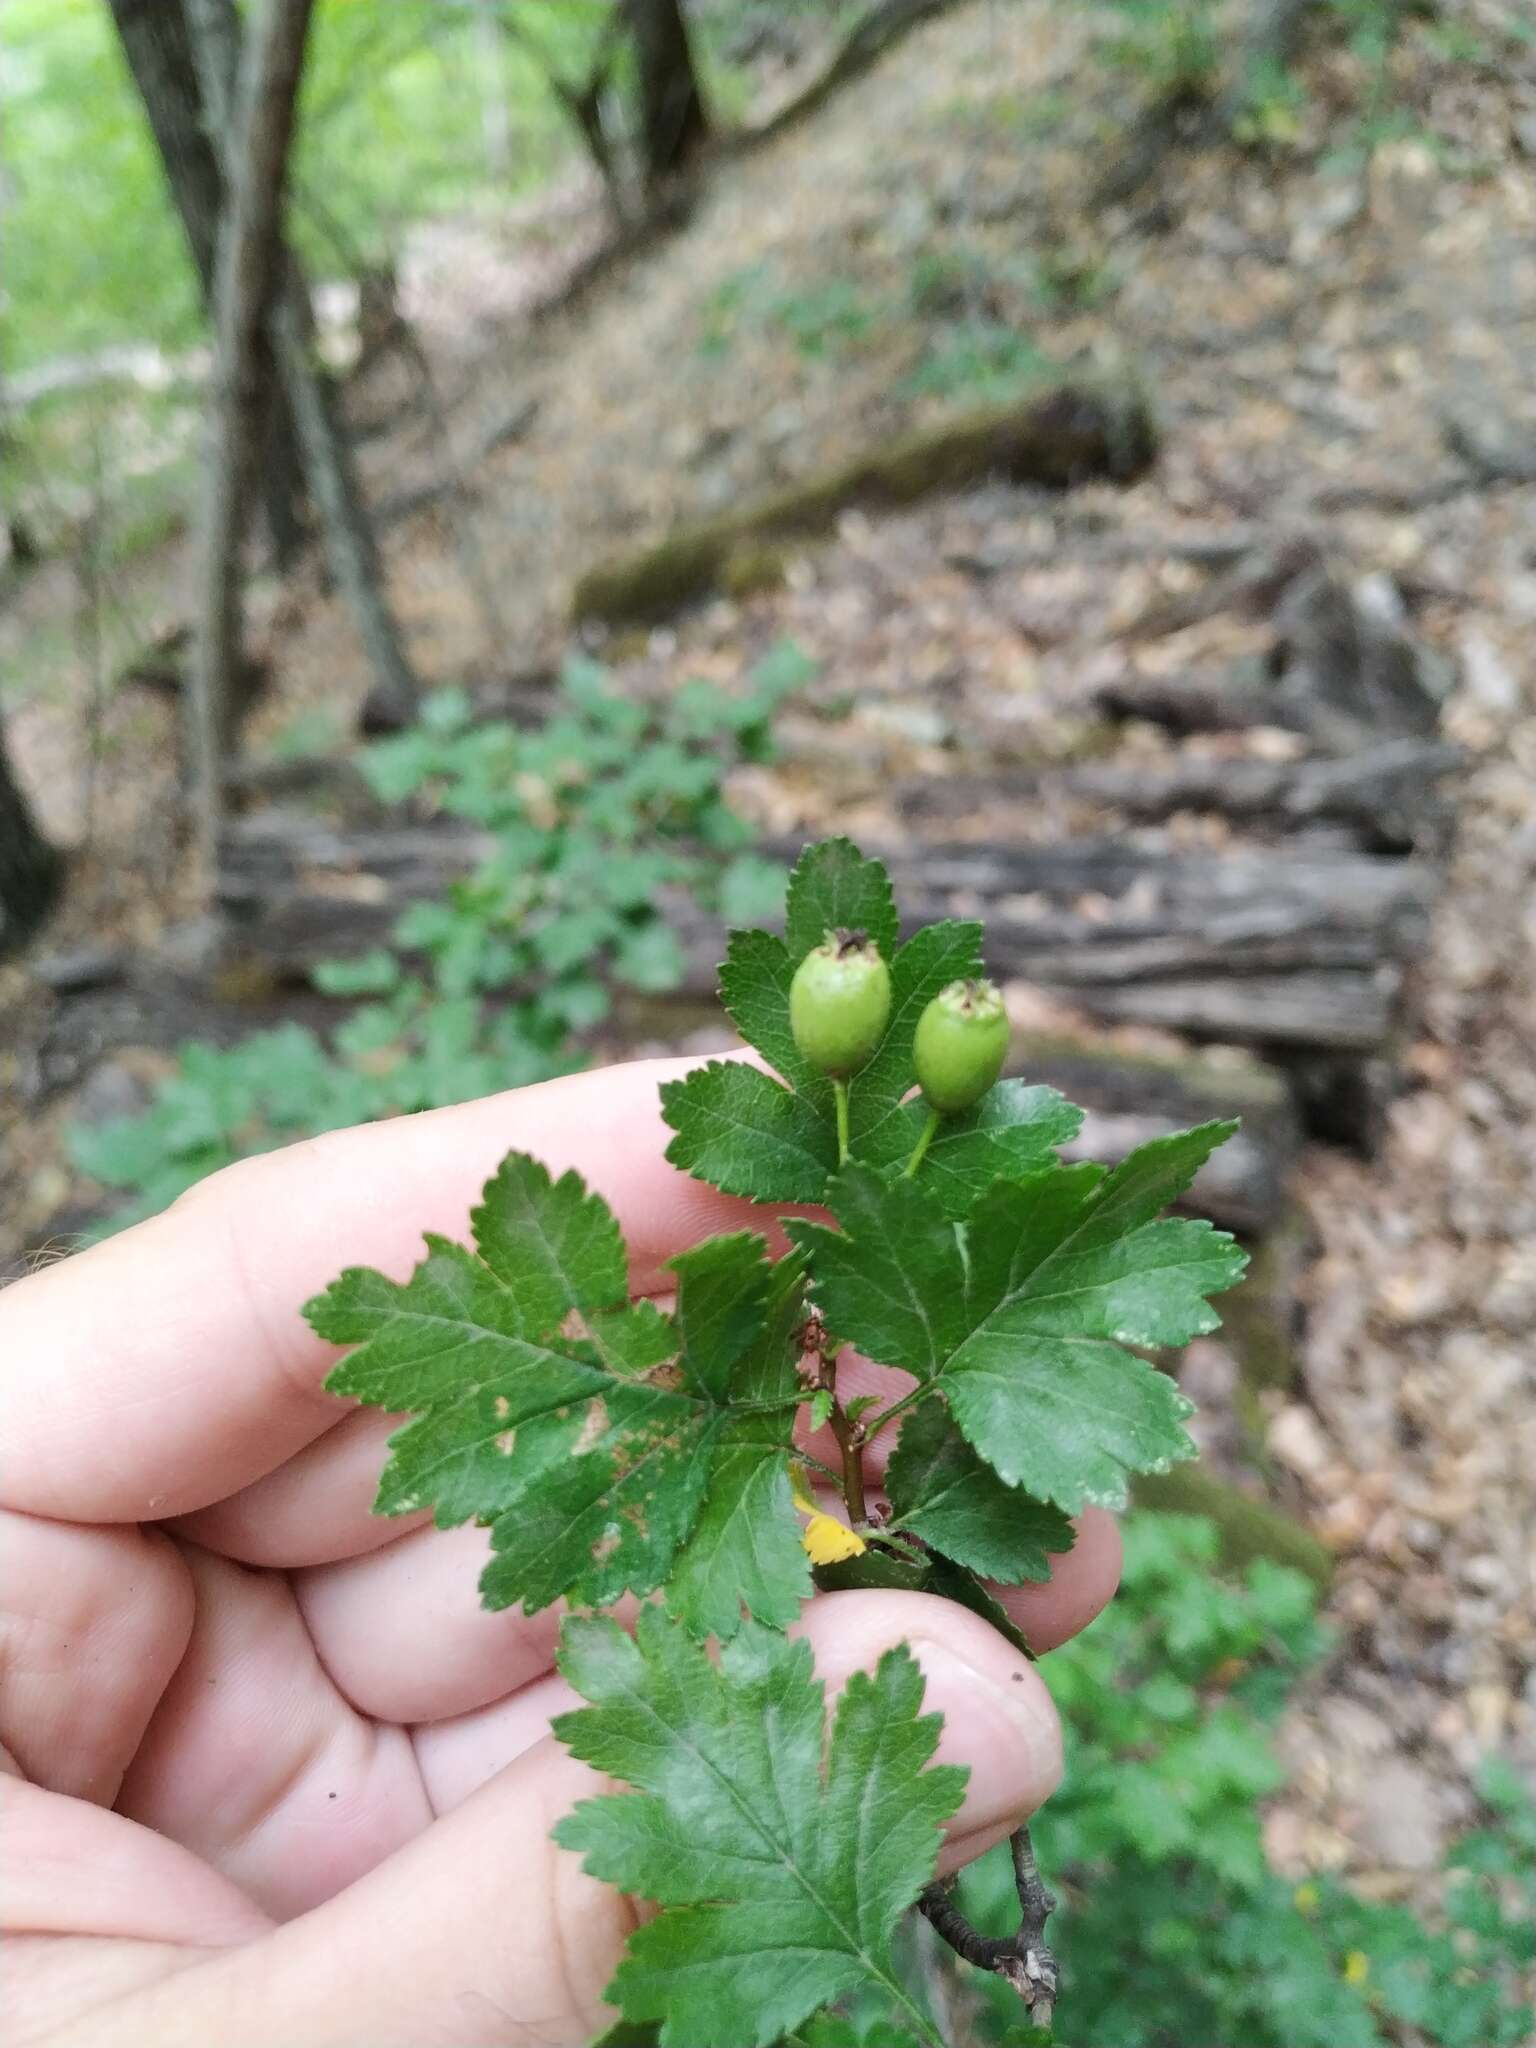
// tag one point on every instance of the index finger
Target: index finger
(160, 1371)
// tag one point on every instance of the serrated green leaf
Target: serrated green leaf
(745, 1551)
(835, 888)
(737, 1128)
(894, 1275)
(1014, 1130)
(722, 1294)
(585, 1430)
(951, 1581)
(1019, 1315)
(942, 1492)
(875, 1570)
(553, 1246)
(782, 1860)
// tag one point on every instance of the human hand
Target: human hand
(273, 1777)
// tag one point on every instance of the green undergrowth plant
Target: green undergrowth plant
(707, 1460)
(595, 823)
(1173, 1928)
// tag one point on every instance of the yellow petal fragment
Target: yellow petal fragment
(829, 1541)
(1357, 1967)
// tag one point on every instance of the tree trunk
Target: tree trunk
(328, 463)
(673, 126)
(157, 44)
(31, 871)
(249, 270)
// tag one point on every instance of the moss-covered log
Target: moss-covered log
(1073, 432)
(1248, 1528)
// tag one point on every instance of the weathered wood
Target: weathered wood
(1381, 790)
(1067, 434)
(1132, 1097)
(1387, 794)
(1198, 703)
(1279, 948)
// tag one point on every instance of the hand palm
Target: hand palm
(270, 1709)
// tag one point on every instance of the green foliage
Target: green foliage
(594, 820)
(584, 1432)
(1174, 46)
(823, 318)
(1017, 1317)
(782, 1859)
(613, 1449)
(984, 360)
(947, 1497)
(1172, 1928)
(383, 143)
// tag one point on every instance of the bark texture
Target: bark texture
(31, 871)
(157, 45)
(250, 266)
(673, 124)
(351, 547)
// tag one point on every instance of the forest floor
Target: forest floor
(1325, 334)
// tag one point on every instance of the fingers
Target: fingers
(170, 1366)
(317, 1505)
(403, 1635)
(480, 1931)
(73, 1868)
(256, 1763)
(92, 1628)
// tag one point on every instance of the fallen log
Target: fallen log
(1133, 1097)
(1080, 429)
(1388, 795)
(1281, 948)
(1187, 704)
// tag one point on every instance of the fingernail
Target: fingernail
(1000, 1722)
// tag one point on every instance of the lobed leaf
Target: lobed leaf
(1019, 1315)
(737, 1128)
(590, 1434)
(943, 1493)
(782, 1859)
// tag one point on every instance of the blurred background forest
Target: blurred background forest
(482, 480)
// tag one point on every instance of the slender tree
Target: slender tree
(157, 46)
(673, 124)
(31, 871)
(351, 547)
(249, 272)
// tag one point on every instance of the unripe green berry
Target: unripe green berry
(840, 1003)
(961, 1043)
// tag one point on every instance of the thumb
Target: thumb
(482, 1931)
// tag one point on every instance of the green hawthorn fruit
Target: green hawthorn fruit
(961, 1043)
(839, 1003)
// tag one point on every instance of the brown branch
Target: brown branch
(850, 1435)
(1024, 1959)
